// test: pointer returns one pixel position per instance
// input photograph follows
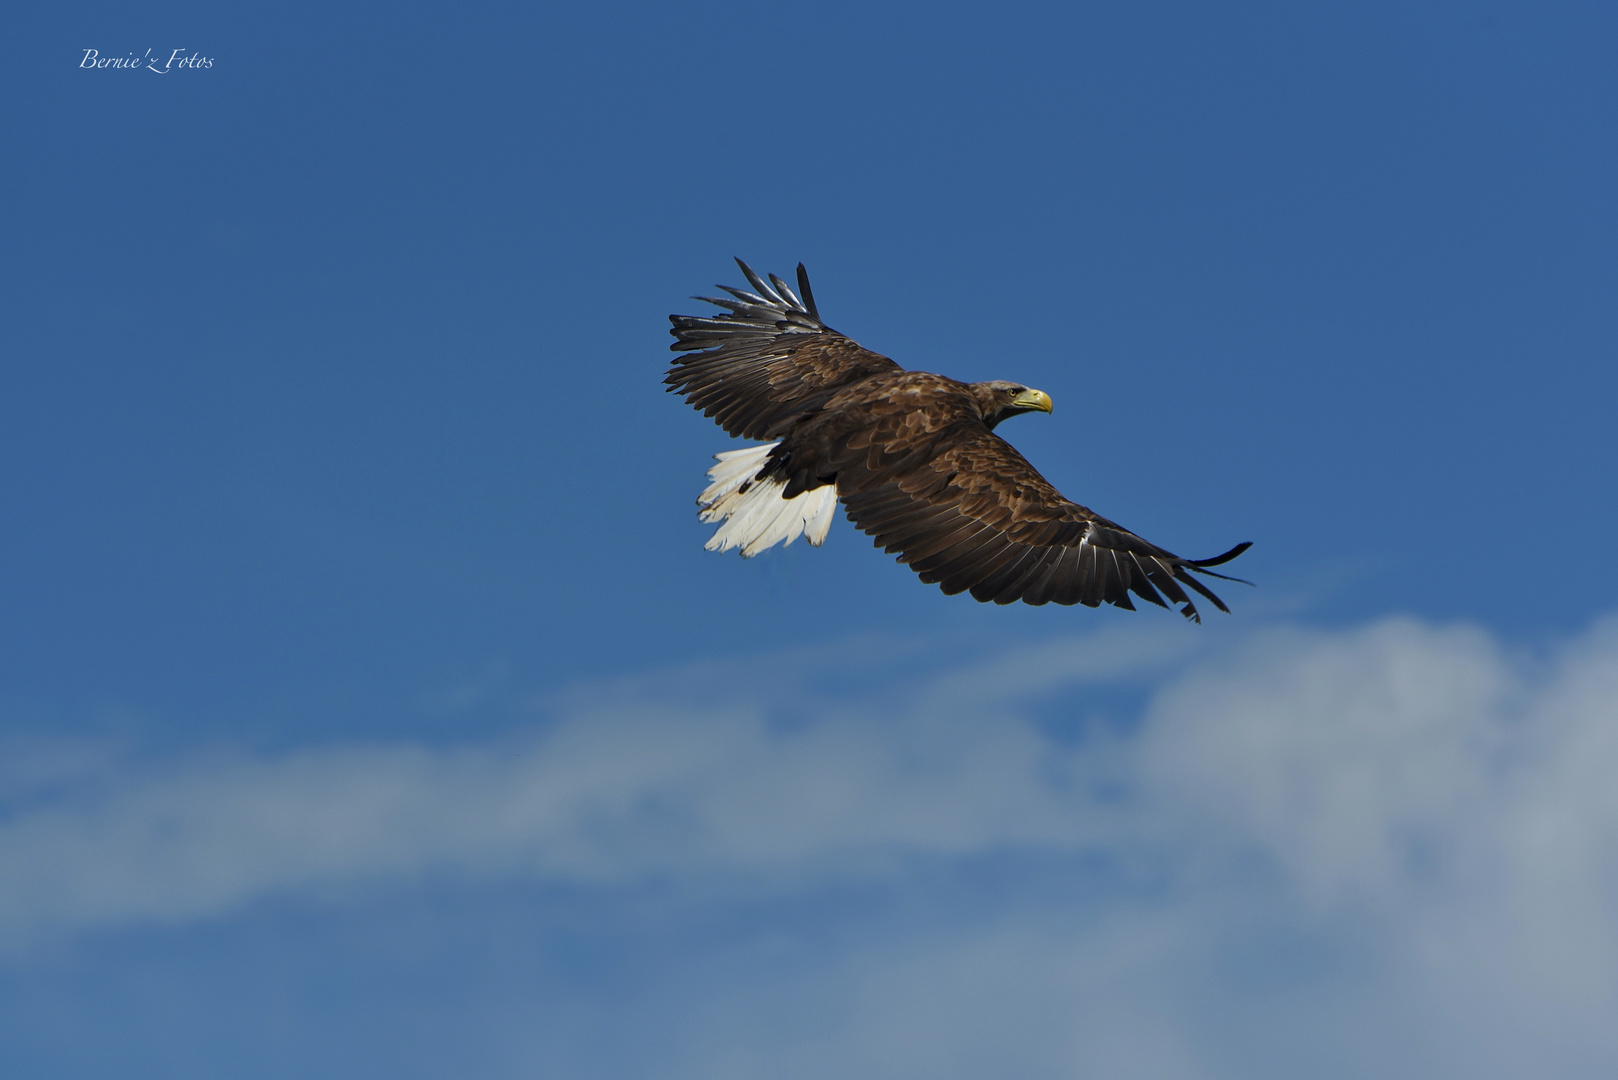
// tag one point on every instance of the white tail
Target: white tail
(754, 514)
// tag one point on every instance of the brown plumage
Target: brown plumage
(912, 456)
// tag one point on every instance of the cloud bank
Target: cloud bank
(1391, 850)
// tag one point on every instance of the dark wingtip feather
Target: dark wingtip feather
(1201, 565)
(758, 283)
(1218, 560)
(805, 292)
(1224, 577)
(1205, 591)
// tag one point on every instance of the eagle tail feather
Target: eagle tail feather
(750, 507)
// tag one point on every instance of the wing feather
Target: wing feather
(1141, 586)
(974, 515)
(1042, 585)
(998, 586)
(767, 360)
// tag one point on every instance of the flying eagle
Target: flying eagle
(913, 457)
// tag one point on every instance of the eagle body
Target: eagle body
(912, 456)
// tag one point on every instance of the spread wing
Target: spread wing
(977, 517)
(767, 361)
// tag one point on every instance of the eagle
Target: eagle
(912, 456)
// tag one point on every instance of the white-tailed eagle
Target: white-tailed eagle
(913, 457)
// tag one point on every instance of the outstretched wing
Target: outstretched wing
(767, 361)
(977, 517)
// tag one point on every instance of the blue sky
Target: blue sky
(369, 707)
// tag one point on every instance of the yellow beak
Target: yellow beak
(1033, 399)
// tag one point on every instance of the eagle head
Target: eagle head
(999, 399)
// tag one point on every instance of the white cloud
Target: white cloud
(1415, 825)
(684, 773)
